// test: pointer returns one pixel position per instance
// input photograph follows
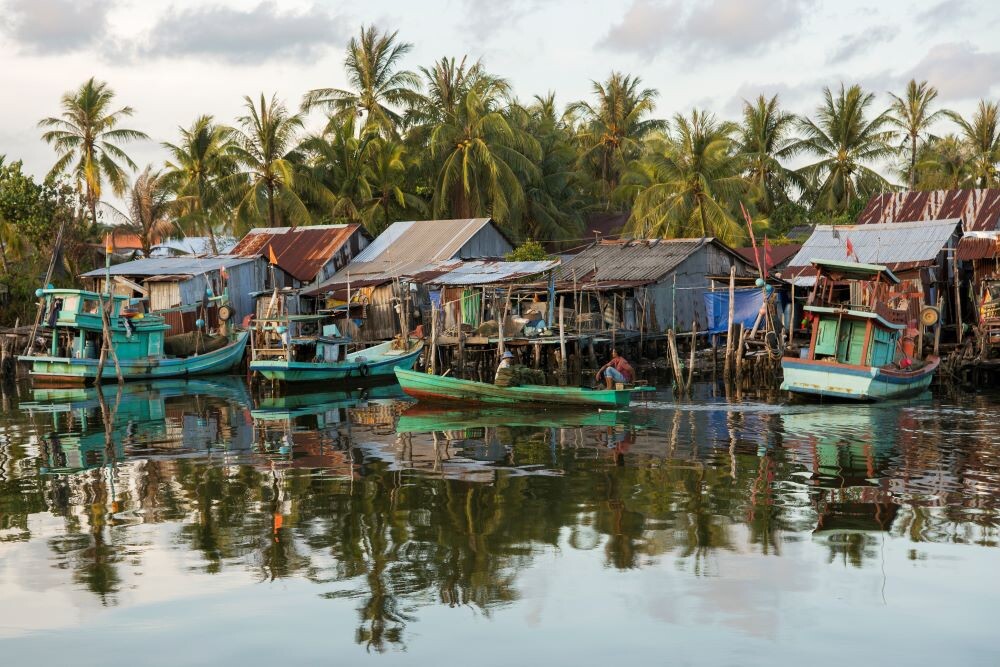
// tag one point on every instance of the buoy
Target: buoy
(200, 323)
(759, 282)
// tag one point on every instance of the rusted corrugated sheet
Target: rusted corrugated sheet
(978, 247)
(302, 252)
(979, 210)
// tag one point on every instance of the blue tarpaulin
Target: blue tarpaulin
(748, 302)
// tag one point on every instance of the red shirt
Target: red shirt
(622, 366)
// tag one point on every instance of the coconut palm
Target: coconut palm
(846, 139)
(197, 164)
(982, 137)
(447, 84)
(911, 114)
(764, 141)
(614, 125)
(86, 136)
(149, 213)
(690, 182)
(388, 182)
(379, 87)
(264, 185)
(481, 157)
(337, 162)
(944, 163)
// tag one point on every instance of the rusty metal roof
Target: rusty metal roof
(979, 210)
(979, 246)
(632, 262)
(779, 254)
(301, 251)
(486, 272)
(892, 244)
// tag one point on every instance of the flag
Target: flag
(768, 257)
(109, 244)
(270, 253)
(850, 249)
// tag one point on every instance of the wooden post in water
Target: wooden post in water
(732, 316)
(694, 333)
(937, 327)
(739, 352)
(461, 353)
(675, 361)
(562, 341)
(433, 366)
(958, 296)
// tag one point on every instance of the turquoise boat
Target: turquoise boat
(857, 349)
(74, 319)
(434, 388)
(306, 348)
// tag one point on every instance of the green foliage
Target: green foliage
(529, 251)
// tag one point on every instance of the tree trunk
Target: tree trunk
(3, 257)
(913, 160)
(385, 212)
(270, 205)
(92, 206)
(704, 222)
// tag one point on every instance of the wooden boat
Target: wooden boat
(856, 350)
(74, 318)
(437, 388)
(377, 361)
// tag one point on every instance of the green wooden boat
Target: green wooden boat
(74, 318)
(437, 388)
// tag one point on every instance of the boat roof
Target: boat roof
(864, 314)
(855, 270)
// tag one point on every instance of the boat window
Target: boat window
(90, 306)
(70, 304)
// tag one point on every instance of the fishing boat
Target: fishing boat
(137, 339)
(438, 388)
(302, 348)
(862, 341)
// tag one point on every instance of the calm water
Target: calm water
(191, 522)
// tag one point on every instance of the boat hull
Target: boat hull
(435, 388)
(303, 371)
(859, 383)
(67, 370)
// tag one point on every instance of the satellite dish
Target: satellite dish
(929, 316)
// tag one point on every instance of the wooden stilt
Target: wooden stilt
(732, 316)
(562, 341)
(694, 346)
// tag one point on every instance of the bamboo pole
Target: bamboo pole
(675, 361)
(562, 340)
(732, 316)
(434, 339)
(694, 333)
(937, 328)
(958, 296)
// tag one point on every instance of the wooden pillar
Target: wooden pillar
(562, 340)
(461, 352)
(732, 316)
(433, 366)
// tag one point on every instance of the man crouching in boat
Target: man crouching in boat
(616, 370)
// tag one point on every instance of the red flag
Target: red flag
(850, 248)
(768, 257)
(109, 243)
(270, 253)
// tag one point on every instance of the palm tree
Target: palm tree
(846, 141)
(197, 164)
(337, 162)
(690, 182)
(481, 157)
(764, 141)
(944, 163)
(150, 208)
(378, 85)
(86, 137)
(265, 183)
(388, 181)
(911, 114)
(447, 84)
(982, 136)
(615, 125)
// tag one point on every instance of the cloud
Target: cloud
(713, 28)
(851, 46)
(51, 27)
(243, 37)
(486, 18)
(943, 13)
(959, 70)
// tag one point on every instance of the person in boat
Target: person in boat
(506, 361)
(616, 370)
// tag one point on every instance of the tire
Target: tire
(363, 370)
(225, 313)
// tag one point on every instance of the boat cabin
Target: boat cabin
(75, 318)
(298, 338)
(854, 321)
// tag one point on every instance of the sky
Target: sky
(173, 60)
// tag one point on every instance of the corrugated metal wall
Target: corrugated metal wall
(486, 243)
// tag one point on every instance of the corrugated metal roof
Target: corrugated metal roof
(174, 266)
(979, 247)
(300, 251)
(486, 273)
(979, 210)
(890, 243)
(639, 262)
(407, 249)
(779, 254)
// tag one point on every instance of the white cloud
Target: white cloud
(714, 28)
(243, 37)
(959, 70)
(52, 27)
(860, 43)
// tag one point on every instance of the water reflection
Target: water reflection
(394, 508)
